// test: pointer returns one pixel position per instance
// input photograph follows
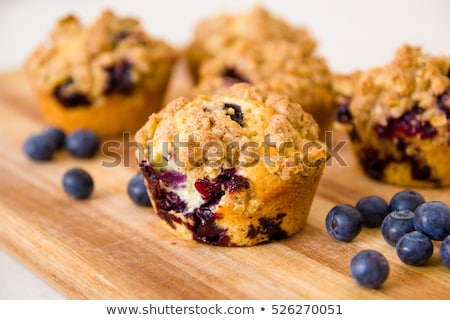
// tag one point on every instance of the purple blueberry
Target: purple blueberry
(406, 200)
(443, 101)
(119, 79)
(444, 252)
(78, 183)
(82, 143)
(236, 115)
(68, 96)
(427, 131)
(232, 181)
(213, 190)
(408, 124)
(231, 76)
(396, 224)
(173, 179)
(210, 191)
(206, 230)
(369, 268)
(137, 191)
(433, 219)
(344, 222)
(202, 219)
(343, 114)
(39, 148)
(165, 201)
(269, 228)
(373, 209)
(56, 135)
(414, 248)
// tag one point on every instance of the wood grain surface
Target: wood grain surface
(108, 248)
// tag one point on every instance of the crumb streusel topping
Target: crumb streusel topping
(111, 55)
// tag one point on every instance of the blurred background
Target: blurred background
(351, 34)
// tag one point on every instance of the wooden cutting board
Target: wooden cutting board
(108, 248)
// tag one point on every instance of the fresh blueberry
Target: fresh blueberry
(39, 148)
(444, 252)
(82, 143)
(396, 224)
(56, 135)
(373, 209)
(433, 219)
(406, 200)
(414, 248)
(343, 114)
(137, 191)
(78, 183)
(369, 268)
(344, 222)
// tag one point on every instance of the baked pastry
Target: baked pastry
(236, 169)
(398, 119)
(304, 79)
(107, 76)
(344, 86)
(214, 36)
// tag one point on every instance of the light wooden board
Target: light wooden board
(108, 248)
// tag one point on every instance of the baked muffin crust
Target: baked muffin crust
(398, 119)
(262, 166)
(105, 76)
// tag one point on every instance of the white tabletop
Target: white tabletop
(352, 34)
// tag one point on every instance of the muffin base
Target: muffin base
(430, 171)
(109, 116)
(279, 211)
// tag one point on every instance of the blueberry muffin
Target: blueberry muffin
(107, 76)
(234, 169)
(398, 119)
(215, 35)
(306, 80)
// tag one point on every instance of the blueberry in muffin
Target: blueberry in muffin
(233, 169)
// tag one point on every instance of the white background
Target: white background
(352, 34)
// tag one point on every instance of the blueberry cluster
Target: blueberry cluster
(41, 147)
(81, 143)
(408, 223)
